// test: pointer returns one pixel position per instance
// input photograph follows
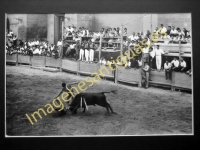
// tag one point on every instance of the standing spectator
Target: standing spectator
(87, 51)
(91, 47)
(59, 45)
(82, 47)
(158, 53)
(167, 67)
(145, 75)
(78, 47)
(152, 58)
(175, 64)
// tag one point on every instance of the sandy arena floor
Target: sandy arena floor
(140, 111)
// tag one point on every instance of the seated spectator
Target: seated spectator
(175, 64)
(173, 32)
(189, 72)
(183, 66)
(186, 32)
(145, 75)
(167, 67)
(37, 51)
(162, 31)
(125, 32)
(180, 33)
(168, 32)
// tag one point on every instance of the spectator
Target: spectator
(168, 30)
(180, 33)
(152, 58)
(82, 51)
(125, 32)
(91, 52)
(186, 32)
(167, 67)
(183, 65)
(145, 75)
(173, 32)
(86, 51)
(162, 31)
(175, 64)
(59, 45)
(77, 47)
(158, 53)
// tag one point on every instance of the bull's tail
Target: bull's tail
(113, 91)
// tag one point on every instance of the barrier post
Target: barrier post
(17, 59)
(116, 75)
(121, 41)
(100, 47)
(60, 68)
(78, 67)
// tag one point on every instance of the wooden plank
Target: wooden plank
(52, 62)
(25, 59)
(38, 60)
(11, 58)
(109, 74)
(88, 67)
(182, 80)
(129, 75)
(69, 65)
(159, 77)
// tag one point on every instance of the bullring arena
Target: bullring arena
(165, 107)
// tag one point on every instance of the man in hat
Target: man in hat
(159, 52)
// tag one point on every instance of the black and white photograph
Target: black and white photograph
(98, 74)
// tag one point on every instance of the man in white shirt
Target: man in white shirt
(59, 44)
(162, 31)
(37, 51)
(132, 37)
(158, 53)
(167, 67)
(173, 32)
(175, 64)
(182, 65)
(152, 58)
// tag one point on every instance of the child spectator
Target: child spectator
(145, 75)
(167, 67)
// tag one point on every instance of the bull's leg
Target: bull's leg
(108, 112)
(111, 109)
(75, 110)
(84, 109)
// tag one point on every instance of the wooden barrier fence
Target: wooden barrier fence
(132, 76)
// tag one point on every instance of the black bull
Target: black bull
(90, 99)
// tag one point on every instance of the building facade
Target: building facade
(49, 26)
